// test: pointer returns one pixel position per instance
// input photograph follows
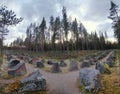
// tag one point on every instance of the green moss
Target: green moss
(82, 88)
(117, 90)
(7, 76)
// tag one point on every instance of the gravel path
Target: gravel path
(62, 83)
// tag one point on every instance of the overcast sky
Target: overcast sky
(92, 13)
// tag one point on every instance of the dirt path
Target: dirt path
(62, 83)
(104, 59)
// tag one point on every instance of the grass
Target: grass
(111, 82)
(14, 87)
(58, 54)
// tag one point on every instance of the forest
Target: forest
(62, 34)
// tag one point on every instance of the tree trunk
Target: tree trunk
(1, 47)
(43, 40)
(67, 46)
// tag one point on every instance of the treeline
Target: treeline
(61, 34)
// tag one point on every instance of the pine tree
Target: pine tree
(65, 27)
(74, 28)
(116, 20)
(7, 18)
(42, 30)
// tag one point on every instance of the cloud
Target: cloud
(92, 13)
(112, 39)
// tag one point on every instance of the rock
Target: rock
(90, 78)
(21, 57)
(110, 63)
(103, 67)
(100, 67)
(26, 58)
(43, 61)
(13, 63)
(30, 60)
(107, 68)
(92, 61)
(62, 63)
(9, 57)
(34, 81)
(50, 62)
(40, 64)
(110, 58)
(95, 60)
(73, 65)
(19, 69)
(33, 60)
(87, 57)
(55, 68)
(98, 57)
(85, 63)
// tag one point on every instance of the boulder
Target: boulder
(85, 63)
(90, 78)
(33, 60)
(107, 68)
(62, 63)
(9, 57)
(43, 61)
(13, 63)
(87, 57)
(73, 65)
(34, 81)
(26, 58)
(40, 64)
(21, 57)
(30, 60)
(100, 67)
(110, 58)
(110, 63)
(92, 61)
(103, 67)
(17, 70)
(113, 56)
(95, 60)
(55, 68)
(50, 62)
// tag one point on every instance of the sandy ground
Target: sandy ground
(62, 83)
